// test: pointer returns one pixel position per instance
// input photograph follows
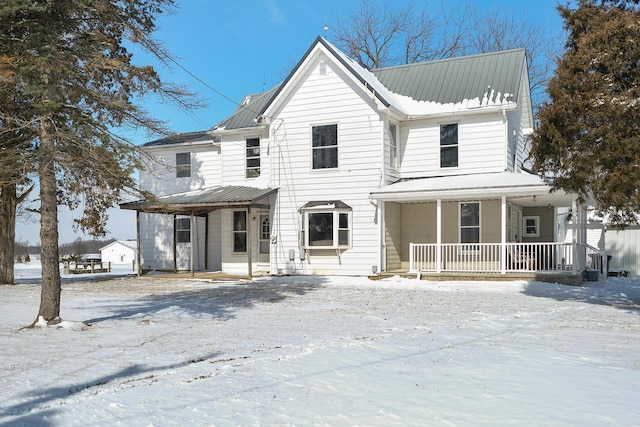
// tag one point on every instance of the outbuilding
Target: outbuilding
(119, 252)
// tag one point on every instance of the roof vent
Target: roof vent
(323, 68)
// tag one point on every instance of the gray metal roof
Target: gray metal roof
(181, 138)
(206, 199)
(453, 80)
(247, 112)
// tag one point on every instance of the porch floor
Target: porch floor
(565, 278)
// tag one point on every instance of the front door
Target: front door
(265, 238)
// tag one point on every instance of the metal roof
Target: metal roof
(247, 112)
(453, 80)
(181, 138)
(206, 199)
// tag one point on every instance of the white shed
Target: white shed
(119, 252)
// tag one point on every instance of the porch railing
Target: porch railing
(499, 258)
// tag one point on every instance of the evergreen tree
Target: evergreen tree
(588, 139)
(71, 66)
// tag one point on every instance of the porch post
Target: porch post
(503, 237)
(438, 235)
(249, 244)
(574, 237)
(138, 240)
(193, 243)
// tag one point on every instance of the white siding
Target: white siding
(156, 241)
(320, 100)
(118, 253)
(234, 154)
(481, 145)
(623, 247)
(160, 175)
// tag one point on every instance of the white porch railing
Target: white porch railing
(499, 258)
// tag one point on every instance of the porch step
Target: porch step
(565, 278)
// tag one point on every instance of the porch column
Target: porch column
(193, 243)
(503, 237)
(438, 235)
(138, 241)
(249, 243)
(574, 235)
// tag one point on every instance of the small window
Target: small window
(449, 145)
(470, 222)
(239, 231)
(531, 226)
(183, 230)
(183, 165)
(325, 146)
(253, 158)
(326, 229)
(393, 147)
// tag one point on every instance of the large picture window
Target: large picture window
(239, 231)
(183, 230)
(449, 145)
(253, 158)
(470, 222)
(183, 165)
(324, 146)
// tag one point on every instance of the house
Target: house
(119, 252)
(347, 171)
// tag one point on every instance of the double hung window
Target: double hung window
(470, 222)
(183, 165)
(239, 231)
(253, 157)
(449, 145)
(324, 146)
(183, 230)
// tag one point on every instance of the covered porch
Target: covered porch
(486, 225)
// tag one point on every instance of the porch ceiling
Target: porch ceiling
(202, 201)
(521, 188)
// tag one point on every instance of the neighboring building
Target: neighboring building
(345, 171)
(119, 252)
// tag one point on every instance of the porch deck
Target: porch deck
(547, 262)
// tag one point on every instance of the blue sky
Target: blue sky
(244, 46)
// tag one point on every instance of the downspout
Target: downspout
(438, 236)
(138, 240)
(193, 242)
(249, 244)
(503, 237)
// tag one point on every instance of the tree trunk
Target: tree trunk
(8, 203)
(51, 289)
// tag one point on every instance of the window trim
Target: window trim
(479, 226)
(183, 169)
(234, 231)
(180, 229)
(456, 145)
(255, 170)
(393, 146)
(536, 220)
(336, 212)
(336, 147)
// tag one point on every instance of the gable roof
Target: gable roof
(453, 84)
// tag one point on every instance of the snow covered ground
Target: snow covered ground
(324, 351)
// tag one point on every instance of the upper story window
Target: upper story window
(324, 146)
(449, 145)
(470, 222)
(183, 230)
(393, 147)
(253, 158)
(183, 165)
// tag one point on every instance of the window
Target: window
(183, 230)
(531, 226)
(183, 165)
(449, 145)
(325, 146)
(240, 231)
(253, 158)
(393, 147)
(470, 222)
(326, 228)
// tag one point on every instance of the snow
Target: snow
(321, 351)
